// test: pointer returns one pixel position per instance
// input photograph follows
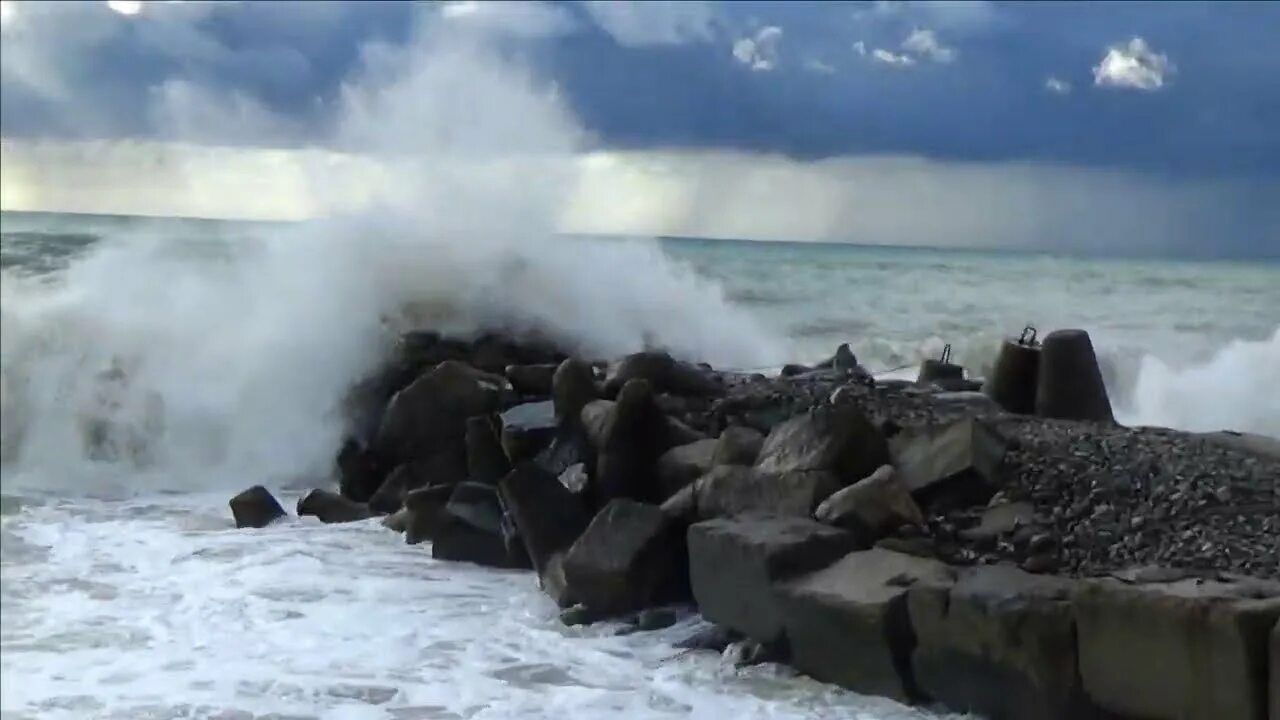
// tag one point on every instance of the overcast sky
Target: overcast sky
(1099, 126)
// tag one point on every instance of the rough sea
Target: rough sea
(204, 357)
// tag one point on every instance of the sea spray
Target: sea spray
(220, 364)
(1236, 389)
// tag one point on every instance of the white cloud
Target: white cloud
(759, 53)
(1057, 86)
(924, 44)
(658, 22)
(519, 19)
(920, 46)
(881, 55)
(818, 66)
(1133, 65)
(883, 199)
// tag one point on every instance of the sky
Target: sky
(1098, 127)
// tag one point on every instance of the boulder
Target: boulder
(531, 379)
(938, 372)
(1002, 519)
(330, 507)
(444, 468)
(738, 445)
(872, 507)
(949, 465)
(793, 369)
(1000, 643)
(567, 449)
(1069, 383)
(663, 373)
(730, 490)
(844, 359)
(676, 433)
(551, 580)
(425, 508)
(548, 517)
(749, 653)
(486, 460)
(575, 479)
(359, 476)
(848, 623)
(397, 521)
(839, 439)
(735, 563)
(471, 530)
(681, 465)
(494, 352)
(527, 429)
(710, 637)
(596, 417)
(1188, 649)
(633, 437)
(255, 508)
(573, 385)
(630, 557)
(431, 413)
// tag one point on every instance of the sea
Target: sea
(152, 367)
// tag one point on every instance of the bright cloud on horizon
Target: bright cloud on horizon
(896, 200)
(1133, 65)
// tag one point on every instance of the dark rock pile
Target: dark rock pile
(905, 539)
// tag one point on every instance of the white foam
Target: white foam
(229, 361)
(156, 608)
(1238, 388)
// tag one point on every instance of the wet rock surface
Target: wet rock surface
(913, 540)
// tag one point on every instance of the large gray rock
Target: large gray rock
(572, 386)
(527, 429)
(330, 507)
(730, 490)
(255, 508)
(471, 530)
(486, 460)
(837, 439)
(950, 465)
(738, 445)
(872, 507)
(735, 563)
(633, 438)
(431, 413)
(548, 517)
(359, 474)
(443, 468)
(681, 465)
(596, 417)
(424, 510)
(531, 379)
(1189, 649)
(848, 623)
(1001, 643)
(631, 556)
(663, 373)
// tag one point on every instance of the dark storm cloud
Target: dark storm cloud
(948, 80)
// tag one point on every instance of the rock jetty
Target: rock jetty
(923, 541)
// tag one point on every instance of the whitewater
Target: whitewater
(150, 369)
